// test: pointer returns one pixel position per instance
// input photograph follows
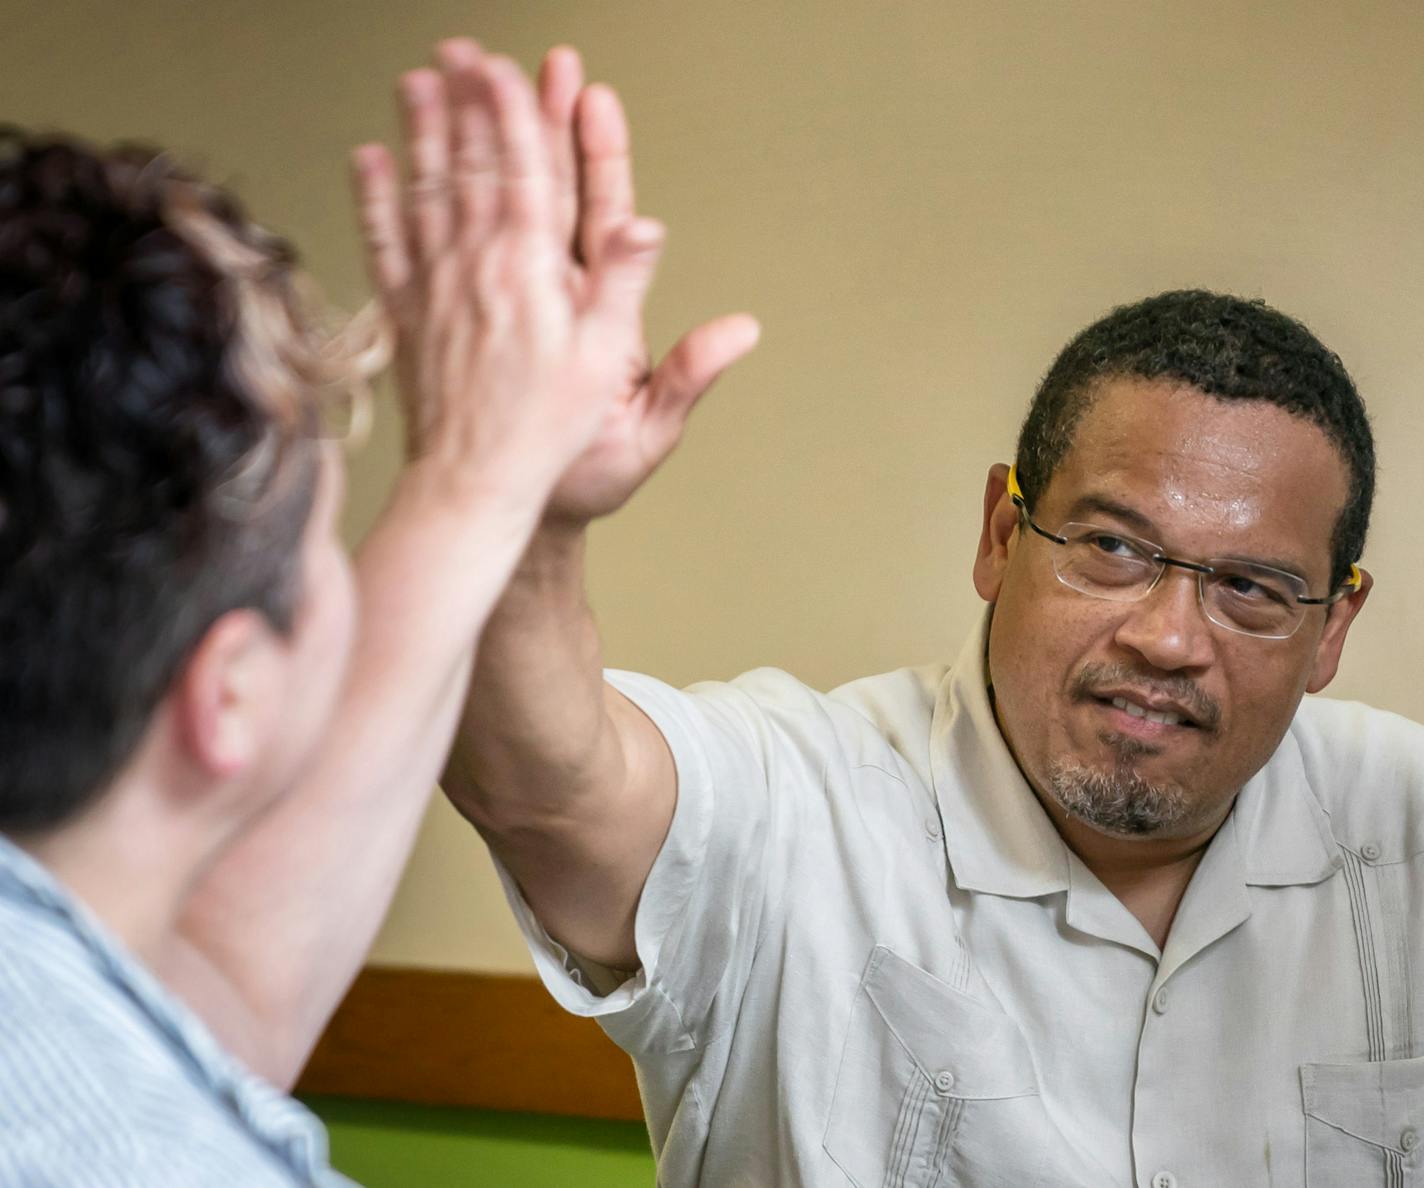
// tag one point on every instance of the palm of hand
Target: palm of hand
(616, 463)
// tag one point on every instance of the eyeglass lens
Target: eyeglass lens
(1237, 595)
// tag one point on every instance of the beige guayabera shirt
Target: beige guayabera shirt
(868, 958)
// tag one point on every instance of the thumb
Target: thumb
(691, 367)
(626, 264)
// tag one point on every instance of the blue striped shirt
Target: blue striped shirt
(108, 1081)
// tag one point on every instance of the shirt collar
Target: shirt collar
(28, 881)
(1283, 831)
(289, 1130)
(997, 835)
(1000, 840)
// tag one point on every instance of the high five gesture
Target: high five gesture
(514, 267)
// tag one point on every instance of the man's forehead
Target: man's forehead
(1181, 425)
(1197, 462)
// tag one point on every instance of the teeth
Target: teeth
(1166, 717)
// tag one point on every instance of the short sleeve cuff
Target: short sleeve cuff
(668, 888)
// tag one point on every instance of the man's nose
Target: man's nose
(1169, 628)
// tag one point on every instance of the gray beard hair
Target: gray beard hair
(1118, 801)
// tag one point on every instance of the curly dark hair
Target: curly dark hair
(1227, 347)
(151, 478)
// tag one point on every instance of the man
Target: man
(216, 742)
(1103, 903)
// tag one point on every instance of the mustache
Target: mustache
(1203, 708)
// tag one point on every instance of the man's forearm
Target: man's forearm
(276, 930)
(570, 784)
(534, 735)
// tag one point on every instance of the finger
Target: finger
(427, 140)
(378, 205)
(526, 185)
(605, 169)
(690, 368)
(624, 272)
(560, 80)
(475, 163)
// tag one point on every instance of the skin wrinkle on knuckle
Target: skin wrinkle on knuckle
(474, 149)
(424, 194)
(377, 224)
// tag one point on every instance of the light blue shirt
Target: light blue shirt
(108, 1081)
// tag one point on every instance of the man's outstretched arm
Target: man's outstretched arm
(510, 358)
(570, 784)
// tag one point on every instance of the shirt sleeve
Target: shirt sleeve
(748, 765)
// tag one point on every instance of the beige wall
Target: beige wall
(922, 200)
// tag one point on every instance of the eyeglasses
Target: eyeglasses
(1241, 596)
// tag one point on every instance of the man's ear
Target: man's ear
(226, 693)
(1001, 519)
(1332, 639)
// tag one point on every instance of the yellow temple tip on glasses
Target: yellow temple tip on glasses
(1015, 491)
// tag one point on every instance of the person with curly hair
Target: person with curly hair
(217, 737)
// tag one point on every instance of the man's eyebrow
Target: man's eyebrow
(1093, 504)
(1086, 505)
(1293, 568)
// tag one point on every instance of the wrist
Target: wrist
(515, 496)
(476, 520)
(555, 555)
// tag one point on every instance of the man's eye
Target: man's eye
(1113, 546)
(1249, 590)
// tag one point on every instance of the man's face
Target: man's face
(1201, 478)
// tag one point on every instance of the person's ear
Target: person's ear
(225, 695)
(1332, 639)
(1001, 519)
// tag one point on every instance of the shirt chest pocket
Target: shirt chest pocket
(1364, 1124)
(935, 1089)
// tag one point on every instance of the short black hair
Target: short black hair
(1225, 346)
(147, 485)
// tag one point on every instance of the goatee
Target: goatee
(1119, 800)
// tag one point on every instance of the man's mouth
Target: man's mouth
(1146, 705)
(1166, 717)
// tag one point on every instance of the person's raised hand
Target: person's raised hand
(647, 420)
(514, 269)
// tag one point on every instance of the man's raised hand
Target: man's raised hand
(646, 422)
(572, 792)
(514, 268)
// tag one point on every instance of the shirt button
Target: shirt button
(1164, 1179)
(943, 1082)
(1409, 1139)
(1159, 1001)
(1370, 852)
(932, 826)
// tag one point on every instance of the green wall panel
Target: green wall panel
(397, 1145)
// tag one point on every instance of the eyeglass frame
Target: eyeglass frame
(1350, 585)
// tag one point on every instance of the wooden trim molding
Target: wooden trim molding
(495, 1042)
